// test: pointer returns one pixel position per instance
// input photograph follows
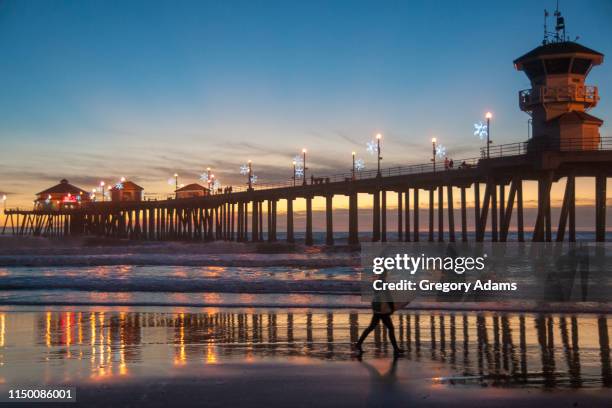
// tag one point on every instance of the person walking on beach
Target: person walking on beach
(382, 309)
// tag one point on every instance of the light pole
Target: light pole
(353, 170)
(208, 179)
(378, 137)
(250, 175)
(433, 153)
(211, 184)
(102, 189)
(175, 184)
(489, 115)
(304, 160)
(294, 174)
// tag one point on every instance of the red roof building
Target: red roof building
(61, 196)
(192, 190)
(126, 191)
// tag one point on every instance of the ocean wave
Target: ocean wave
(262, 261)
(317, 286)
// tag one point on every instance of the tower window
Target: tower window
(533, 69)
(581, 66)
(557, 65)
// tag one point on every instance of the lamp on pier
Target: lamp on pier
(488, 116)
(176, 186)
(250, 175)
(304, 164)
(102, 183)
(433, 152)
(378, 138)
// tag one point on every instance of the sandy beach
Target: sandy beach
(324, 384)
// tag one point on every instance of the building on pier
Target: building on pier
(61, 196)
(559, 98)
(192, 190)
(126, 191)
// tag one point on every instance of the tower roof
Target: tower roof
(560, 49)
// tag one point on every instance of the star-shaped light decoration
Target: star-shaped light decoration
(359, 164)
(480, 130)
(204, 177)
(299, 165)
(299, 160)
(372, 147)
(244, 169)
(216, 185)
(119, 186)
(253, 179)
(440, 150)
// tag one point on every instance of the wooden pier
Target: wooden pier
(239, 215)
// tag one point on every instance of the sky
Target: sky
(98, 90)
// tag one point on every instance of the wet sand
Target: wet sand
(321, 384)
(301, 357)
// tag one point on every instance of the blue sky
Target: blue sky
(93, 90)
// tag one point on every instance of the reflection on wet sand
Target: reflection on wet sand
(551, 351)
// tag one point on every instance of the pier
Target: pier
(496, 183)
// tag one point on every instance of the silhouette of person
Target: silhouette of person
(382, 309)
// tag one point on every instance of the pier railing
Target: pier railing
(495, 151)
(587, 94)
(367, 174)
(535, 146)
